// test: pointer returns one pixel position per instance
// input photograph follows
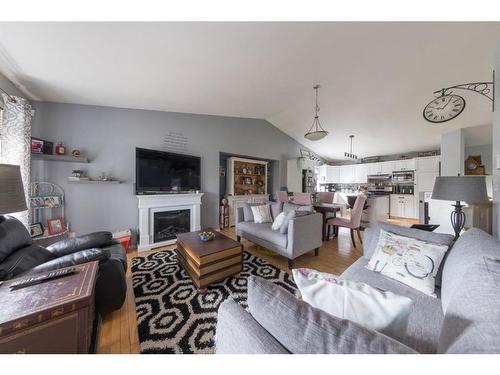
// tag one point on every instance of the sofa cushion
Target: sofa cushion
(302, 329)
(470, 247)
(276, 209)
(263, 231)
(247, 210)
(372, 235)
(471, 323)
(13, 235)
(426, 316)
(290, 216)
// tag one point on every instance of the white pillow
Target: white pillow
(278, 221)
(408, 260)
(372, 308)
(261, 214)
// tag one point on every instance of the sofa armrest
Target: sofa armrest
(238, 333)
(88, 241)
(239, 215)
(73, 259)
(304, 233)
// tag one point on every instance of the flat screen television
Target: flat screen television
(158, 172)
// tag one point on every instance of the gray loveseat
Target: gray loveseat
(303, 233)
(465, 318)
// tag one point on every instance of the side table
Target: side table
(55, 316)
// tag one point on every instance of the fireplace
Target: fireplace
(167, 224)
(162, 216)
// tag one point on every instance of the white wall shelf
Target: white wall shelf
(63, 158)
(83, 182)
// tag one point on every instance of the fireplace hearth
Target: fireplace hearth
(167, 224)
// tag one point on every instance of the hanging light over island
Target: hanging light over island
(316, 131)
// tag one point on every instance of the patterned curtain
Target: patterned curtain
(15, 141)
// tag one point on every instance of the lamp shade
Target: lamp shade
(12, 197)
(470, 189)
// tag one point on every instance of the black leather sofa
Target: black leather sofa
(19, 256)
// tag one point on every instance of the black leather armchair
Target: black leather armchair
(19, 256)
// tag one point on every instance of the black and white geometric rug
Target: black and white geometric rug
(173, 317)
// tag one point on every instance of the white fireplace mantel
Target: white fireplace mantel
(149, 204)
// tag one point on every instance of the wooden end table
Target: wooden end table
(53, 317)
(211, 261)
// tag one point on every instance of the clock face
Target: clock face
(444, 108)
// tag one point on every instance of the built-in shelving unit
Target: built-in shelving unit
(63, 158)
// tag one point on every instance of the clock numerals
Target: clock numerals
(444, 108)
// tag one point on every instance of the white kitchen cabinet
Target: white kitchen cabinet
(374, 168)
(347, 174)
(386, 167)
(333, 174)
(322, 174)
(403, 206)
(404, 165)
(428, 164)
(361, 173)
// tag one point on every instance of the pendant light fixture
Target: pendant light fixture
(316, 132)
(350, 155)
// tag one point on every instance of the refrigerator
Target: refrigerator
(309, 181)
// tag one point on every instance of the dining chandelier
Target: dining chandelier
(316, 131)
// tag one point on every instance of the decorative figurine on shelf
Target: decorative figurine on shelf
(76, 153)
(60, 149)
(103, 177)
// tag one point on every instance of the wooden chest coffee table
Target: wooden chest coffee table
(211, 261)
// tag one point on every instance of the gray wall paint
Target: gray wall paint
(109, 137)
(486, 152)
(496, 151)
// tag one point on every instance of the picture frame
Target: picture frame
(36, 202)
(36, 230)
(52, 201)
(56, 225)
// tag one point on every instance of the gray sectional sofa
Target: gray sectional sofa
(464, 318)
(301, 235)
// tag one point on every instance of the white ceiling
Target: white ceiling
(376, 77)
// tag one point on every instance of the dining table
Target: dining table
(325, 209)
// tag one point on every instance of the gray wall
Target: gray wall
(109, 137)
(486, 152)
(496, 151)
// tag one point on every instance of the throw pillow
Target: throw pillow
(372, 308)
(247, 211)
(408, 260)
(289, 216)
(278, 221)
(261, 214)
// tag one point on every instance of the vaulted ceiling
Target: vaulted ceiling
(375, 77)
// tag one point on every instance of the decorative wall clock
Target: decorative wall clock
(449, 105)
(444, 108)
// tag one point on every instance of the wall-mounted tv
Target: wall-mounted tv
(158, 172)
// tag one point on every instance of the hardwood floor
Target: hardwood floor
(119, 329)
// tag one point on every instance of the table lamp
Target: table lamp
(12, 197)
(470, 189)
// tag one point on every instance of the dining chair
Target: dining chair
(353, 223)
(325, 196)
(282, 196)
(302, 198)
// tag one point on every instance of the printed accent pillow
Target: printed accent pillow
(410, 261)
(372, 308)
(278, 221)
(261, 214)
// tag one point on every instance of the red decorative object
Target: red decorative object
(60, 149)
(125, 242)
(56, 226)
